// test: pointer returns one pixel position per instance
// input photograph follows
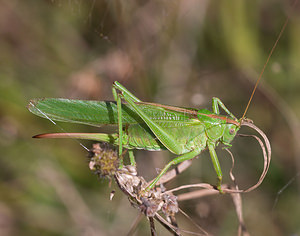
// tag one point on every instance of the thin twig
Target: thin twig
(237, 201)
(152, 226)
(174, 172)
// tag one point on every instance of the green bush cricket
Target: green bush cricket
(183, 131)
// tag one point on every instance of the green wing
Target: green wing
(99, 113)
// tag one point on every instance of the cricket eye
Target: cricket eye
(231, 131)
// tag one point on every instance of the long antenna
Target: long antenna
(266, 63)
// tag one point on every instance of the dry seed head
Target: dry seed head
(150, 202)
(103, 160)
(170, 206)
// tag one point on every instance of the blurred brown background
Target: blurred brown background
(172, 52)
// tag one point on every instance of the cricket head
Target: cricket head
(232, 127)
(230, 132)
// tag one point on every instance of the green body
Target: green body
(183, 131)
(188, 130)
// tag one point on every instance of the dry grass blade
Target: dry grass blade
(237, 201)
(201, 185)
(267, 155)
(197, 194)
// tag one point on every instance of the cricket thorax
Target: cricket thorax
(218, 128)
